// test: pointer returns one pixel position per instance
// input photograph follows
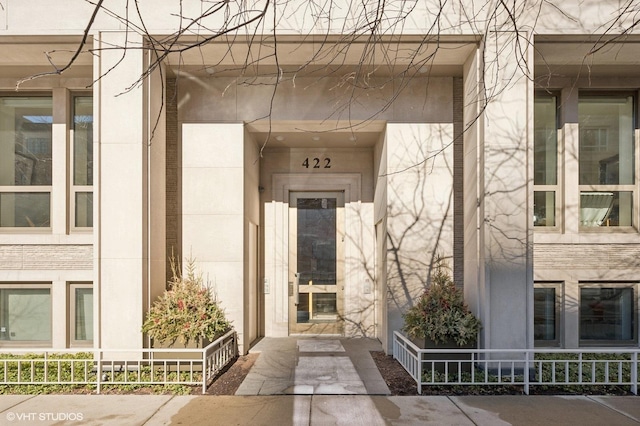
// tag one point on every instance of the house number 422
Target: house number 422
(316, 163)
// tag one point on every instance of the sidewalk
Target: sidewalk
(314, 410)
(314, 381)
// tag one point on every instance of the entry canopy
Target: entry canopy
(321, 55)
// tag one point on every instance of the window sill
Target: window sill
(24, 344)
(608, 230)
(599, 344)
(542, 344)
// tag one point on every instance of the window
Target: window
(81, 313)
(82, 180)
(607, 313)
(25, 313)
(602, 162)
(606, 159)
(25, 161)
(546, 314)
(545, 160)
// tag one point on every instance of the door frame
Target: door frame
(282, 185)
(333, 326)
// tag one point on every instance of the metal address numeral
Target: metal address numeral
(316, 163)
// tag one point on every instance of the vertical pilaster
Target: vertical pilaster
(506, 245)
(121, 188)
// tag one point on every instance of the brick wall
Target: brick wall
(173, 174)
(458, 179)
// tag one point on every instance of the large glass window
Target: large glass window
(25, 161)
(546, 309)
(82, 182)
(545, 159)
(607, 314)
(25, 313)
(606, 159)
(81, 303)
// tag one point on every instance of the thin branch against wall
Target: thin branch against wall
(504, 31)
(58, 71)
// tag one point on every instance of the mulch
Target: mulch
(232, 376)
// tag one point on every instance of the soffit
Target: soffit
(22, 57)
(443, 56)
(309, 134)
(596, 57)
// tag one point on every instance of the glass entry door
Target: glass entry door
(316, 262)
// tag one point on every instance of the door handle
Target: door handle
(296, 294)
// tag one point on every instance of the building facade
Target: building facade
(316, 170)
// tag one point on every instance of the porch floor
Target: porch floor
(300, 365)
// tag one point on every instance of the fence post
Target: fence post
(46, 368)
(98, 372)
(526, 372)
(634, 373)
(204, 370)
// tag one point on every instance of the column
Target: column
(121, 192)
(505, 243)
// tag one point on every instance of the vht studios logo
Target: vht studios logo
(32, 417)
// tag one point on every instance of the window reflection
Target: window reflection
(544, 320)
(317, 240)
(606, 140)
(607, 314)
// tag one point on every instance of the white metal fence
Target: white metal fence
(525, 368)
(110, 367)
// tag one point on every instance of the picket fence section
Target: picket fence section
(114, 367)
(518, 367)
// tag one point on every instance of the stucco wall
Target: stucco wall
(462, 17)
(419, 221)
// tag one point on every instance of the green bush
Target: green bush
(186, 312)
(440, 314)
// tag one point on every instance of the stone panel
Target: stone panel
(586, 256)
(11, 257)
(47, 257)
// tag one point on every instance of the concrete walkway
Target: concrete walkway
(314, 365)
(132, 410)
